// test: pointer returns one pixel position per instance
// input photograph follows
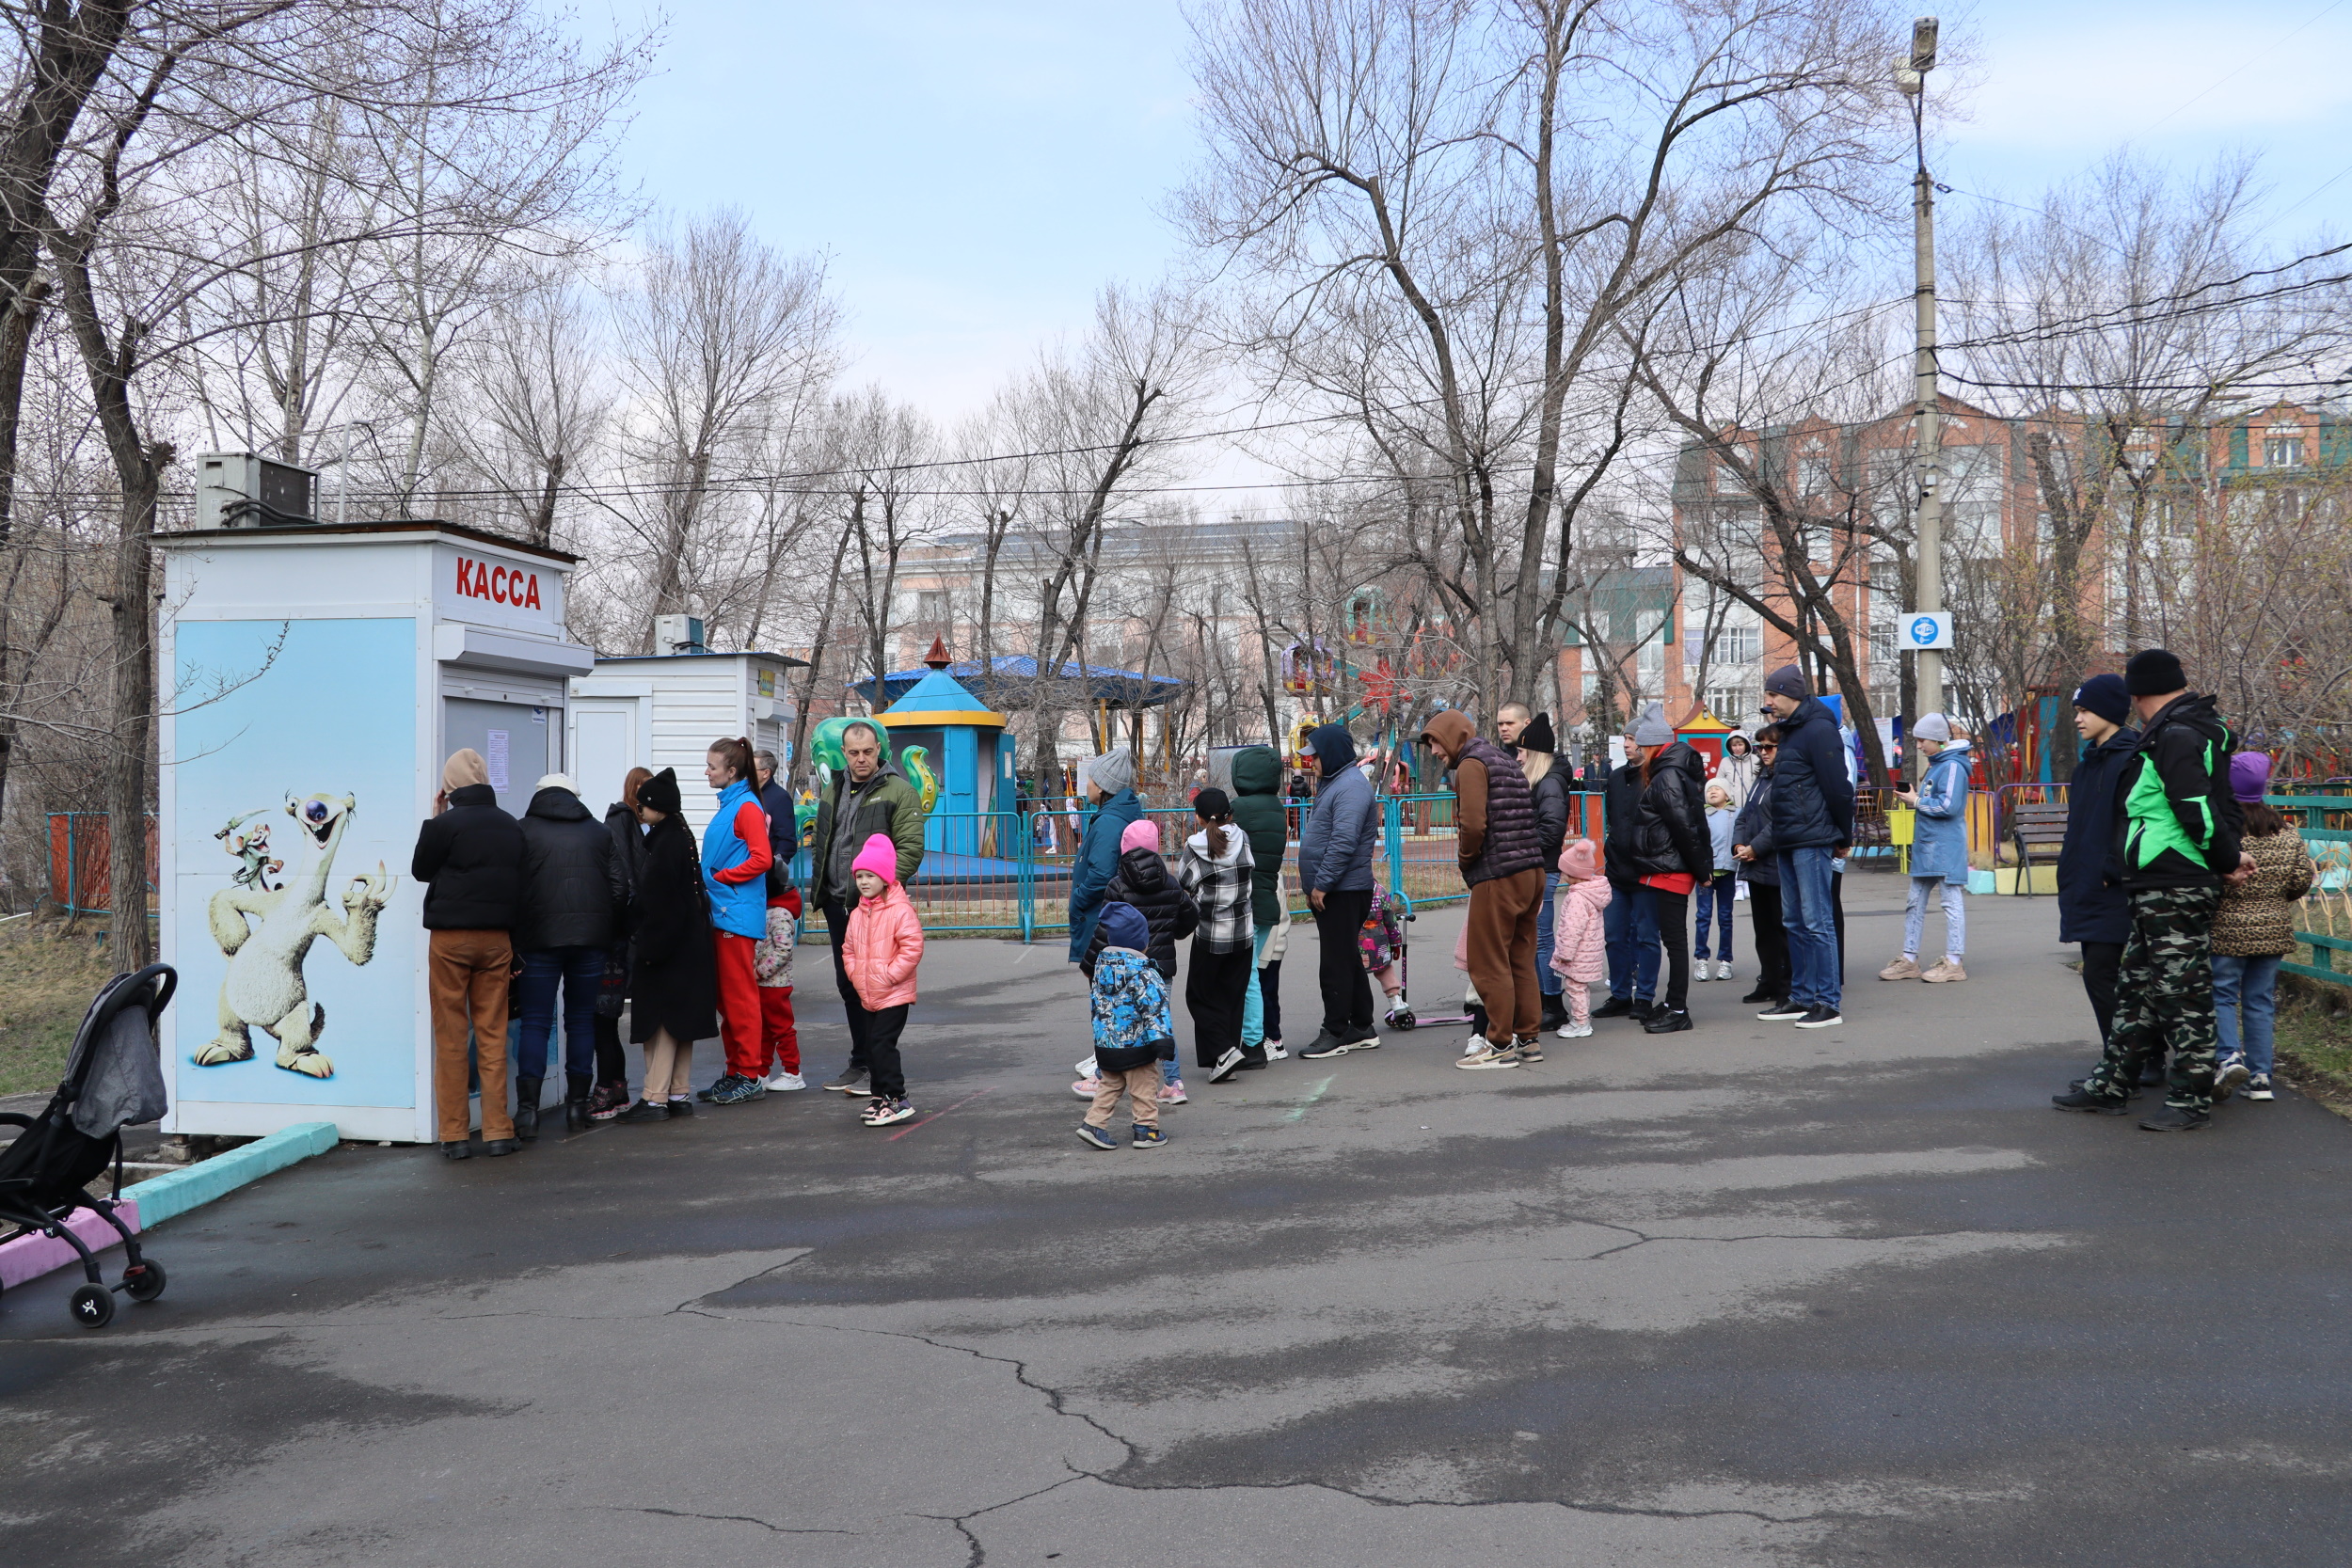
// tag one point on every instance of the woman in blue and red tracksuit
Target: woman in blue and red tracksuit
(736, 858)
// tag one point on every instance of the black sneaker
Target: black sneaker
(1782, 1011)
(1617, 1006)
(680, 1109)
(1226, 1064)
(1644, 1009)
(1253, 1058)
(722, 1080)
(1820, 1017)
(2090, 1100)
(2176, 1118)
(1368, 1041)
(644, 1110)
(1327, 1044)
(458, 1148)
(1761, 993)
(1667, 1021)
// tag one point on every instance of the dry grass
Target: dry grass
(2315, 1042)
(49, 971)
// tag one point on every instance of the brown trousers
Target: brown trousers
(1503, 914)
(1141, 1085)
(466, 972)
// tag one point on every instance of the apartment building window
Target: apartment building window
(1813, 475)
(1972, 499)
(2282, 451)
(1739, 644)
(932, 607)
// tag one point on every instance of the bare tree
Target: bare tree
(723, 343)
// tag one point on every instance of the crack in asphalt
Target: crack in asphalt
(978, 1552)
(726, 1518)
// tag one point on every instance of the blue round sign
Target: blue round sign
(1923, 629)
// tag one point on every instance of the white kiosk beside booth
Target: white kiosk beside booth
(314, 678)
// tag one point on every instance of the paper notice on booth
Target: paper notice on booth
(497, 759)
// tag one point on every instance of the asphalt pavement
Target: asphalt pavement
(1741, 1296)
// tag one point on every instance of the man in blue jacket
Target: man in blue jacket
(1812, 826)
(2094, 908)
(1110, 780)
(1335, 868)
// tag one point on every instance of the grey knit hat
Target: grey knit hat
(1651, 728)
(1111, 772)
(1933, 726)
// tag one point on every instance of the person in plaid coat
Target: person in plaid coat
(1215, 869)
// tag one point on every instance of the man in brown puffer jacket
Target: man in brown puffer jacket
(1500, 850)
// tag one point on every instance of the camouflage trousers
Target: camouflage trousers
(2164, 997)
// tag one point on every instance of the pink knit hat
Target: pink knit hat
(1142, 833)
(880, 856)
(1580, 860)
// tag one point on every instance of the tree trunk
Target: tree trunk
(130, 947)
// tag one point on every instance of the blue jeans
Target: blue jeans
(1806, 910)
(1955, 915)
(1629, 927)
(1253, 1001)
(1546, 980)
(1715, 897)
(2246, 1005)
(580, 971)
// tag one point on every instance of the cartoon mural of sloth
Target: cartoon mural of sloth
(264, 988)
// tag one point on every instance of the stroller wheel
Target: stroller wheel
(144, 1283)
(92, 1306)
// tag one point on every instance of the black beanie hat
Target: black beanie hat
(1788, 681)
(659, 793)
(1537, 737)
(1211, 804)
(2105, 696)
(2154, 672)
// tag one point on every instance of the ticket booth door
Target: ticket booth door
(519, 744)
(608, 739)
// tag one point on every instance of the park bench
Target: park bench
(2031, 825)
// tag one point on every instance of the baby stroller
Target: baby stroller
(1384, 943)
(113, 1080)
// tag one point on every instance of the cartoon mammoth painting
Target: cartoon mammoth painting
(265, 933)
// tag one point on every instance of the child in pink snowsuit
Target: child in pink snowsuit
(1580, 952)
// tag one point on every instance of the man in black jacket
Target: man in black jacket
(573, 892)
(2093, 910)
(2176, 843)
(470, 854)
(1812, 826)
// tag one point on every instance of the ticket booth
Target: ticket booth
(313, 679)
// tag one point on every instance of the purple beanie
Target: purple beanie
(2249, 771)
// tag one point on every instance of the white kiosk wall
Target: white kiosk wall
(664, 710)
(315, 678)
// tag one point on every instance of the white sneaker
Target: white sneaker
(1274, 1052)
(784, 1083)
(1698, 970)
(1722, 969)
(1472, 1046)
(1574, 1031)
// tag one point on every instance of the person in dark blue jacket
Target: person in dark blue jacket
(1812, 825)
(1110, 784)
(2093, 910)
(1752, 846)
(1335, 868)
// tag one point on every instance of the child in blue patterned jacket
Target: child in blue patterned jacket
(1132, 1031)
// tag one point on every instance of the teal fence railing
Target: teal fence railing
(2327, 828)
(1007, 873)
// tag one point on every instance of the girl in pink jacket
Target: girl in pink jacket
(1580, 952)
(879, 950)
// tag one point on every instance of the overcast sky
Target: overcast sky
(976, 170)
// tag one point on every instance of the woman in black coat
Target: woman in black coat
(628, 853)
(674, 978)
(1671, 853)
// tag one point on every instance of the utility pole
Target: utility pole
(1928, 549)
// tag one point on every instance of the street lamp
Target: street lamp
(1911, 76)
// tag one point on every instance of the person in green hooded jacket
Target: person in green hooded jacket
(1258, 811)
